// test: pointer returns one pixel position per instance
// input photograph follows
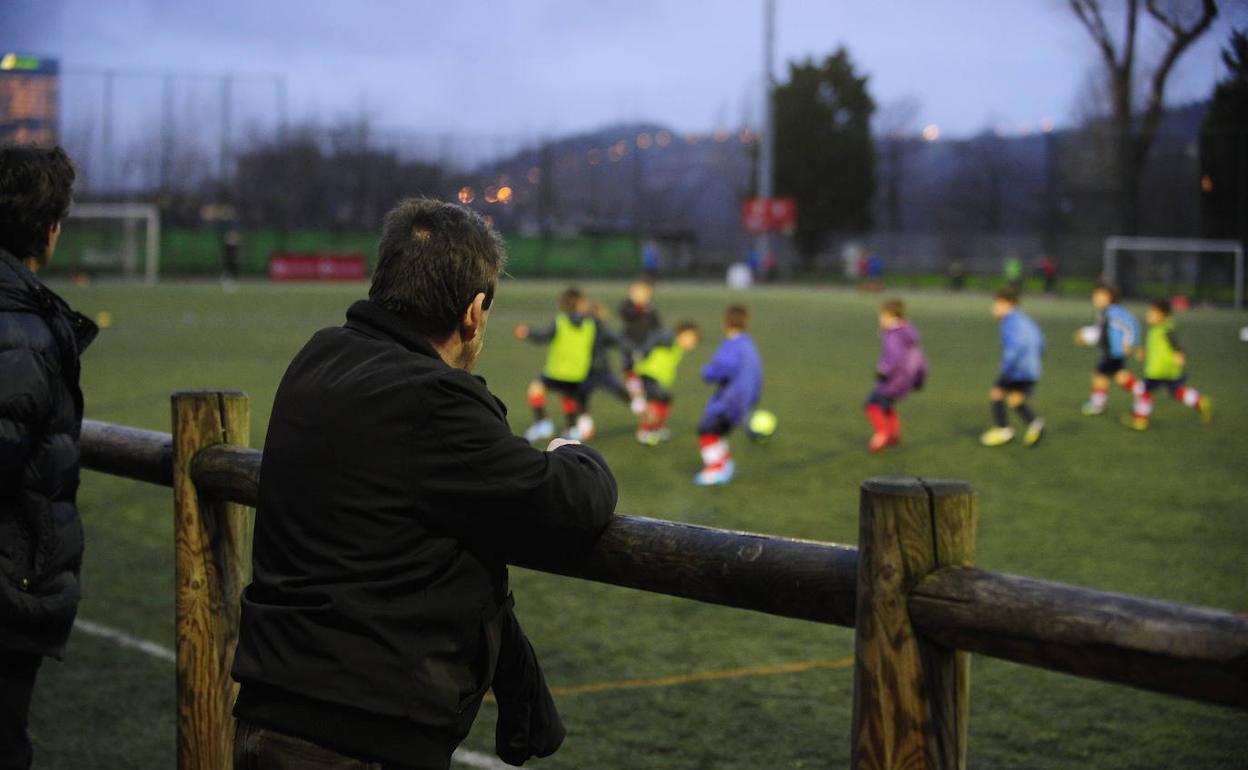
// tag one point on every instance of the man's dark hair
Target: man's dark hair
(570, 299)
(35, 189)
(433, 258)
(1162, 305)
(1009, 294)
(737, 317)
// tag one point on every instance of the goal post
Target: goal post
(1190, 246)
(123, 251)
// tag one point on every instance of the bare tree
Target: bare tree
(1182, 23)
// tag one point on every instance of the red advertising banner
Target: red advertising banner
(769, 215)
(285, 266)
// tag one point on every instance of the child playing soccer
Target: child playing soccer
(901, 368)
(737, 371)
(601, 376)
(1165, 366)
(656, 366)
(1022, 346)
(640, 319)
(1116, 331)
(572, 337)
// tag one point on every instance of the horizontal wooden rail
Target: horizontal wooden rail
(1170, 648)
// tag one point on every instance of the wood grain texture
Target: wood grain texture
(1194, 652)
(910, 695)
(210, 538)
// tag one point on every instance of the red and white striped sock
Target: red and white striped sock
(1143, 406)
(715, 452)
(1128, 382)
(1099, 397)
(1188, 396)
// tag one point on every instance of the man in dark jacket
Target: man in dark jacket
(391, 488)
(40, 419)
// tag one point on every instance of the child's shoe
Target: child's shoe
(1135, 423)
(879, 442)
(1205, 405)
(540, 430)
(647, 437)
(1035, 432)
(710, 477)
(997, 436)
(1090, 409)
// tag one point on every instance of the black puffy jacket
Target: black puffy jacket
(40, 420)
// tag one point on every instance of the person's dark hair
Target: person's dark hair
(433, 259)
(570, 299)
(1010, 294)
(894, 307)
(35, 191)
(1108, 288)
(688, 326)
(1162, 305)
(737, 317)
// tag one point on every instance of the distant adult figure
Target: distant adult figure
(231, 243)
(875, 273)
(1013, 269)
(41, 339)
(379, 611)
(650, 260)
(1048, 272)
(957, 275)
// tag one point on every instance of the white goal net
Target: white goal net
(1157, 267)
(112, 239)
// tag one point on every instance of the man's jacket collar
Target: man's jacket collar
(369, 318)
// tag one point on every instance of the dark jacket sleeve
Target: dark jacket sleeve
(25, 403)
(542, 335)
(485, 484)
(657, 337)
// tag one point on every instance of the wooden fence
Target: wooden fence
(918, 606)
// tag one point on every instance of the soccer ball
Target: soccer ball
(1243, 334)
(762, 424)
(1089, 335)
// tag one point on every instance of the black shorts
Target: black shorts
(655, 391)
(571, 389)
(876, 398)
(717, 425)
(1170, 385)
(1109, 366)
(1016, 386)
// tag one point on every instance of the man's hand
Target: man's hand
(521, 331)
(555, 443)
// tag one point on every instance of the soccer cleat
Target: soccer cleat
(710, 477)
(663, 434)
(1035, 432)
(648, 437)
(879, 442)
(1135, 423)
(1090, 409)
(997, 436)
(1205, 405)
(540, 430)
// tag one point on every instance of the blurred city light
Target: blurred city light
(1206, 183)
(720, 135)
(1047, 125)
(504, 194)
(931, 132)
(746, 136)
(535, 175)
(491, 195)
(466, 195)
(644, 141)
(663, 138)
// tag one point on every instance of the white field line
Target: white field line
(126, 640)
(462, 756)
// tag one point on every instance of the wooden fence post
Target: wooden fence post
(210, 568)
(910, 695)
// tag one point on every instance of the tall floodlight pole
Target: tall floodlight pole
(762, 242)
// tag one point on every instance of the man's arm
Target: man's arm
(486, 484)
(25, 402)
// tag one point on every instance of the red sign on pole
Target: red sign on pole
(769, 215)
(316, 267)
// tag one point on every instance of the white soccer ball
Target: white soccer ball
(1090, 335)
(1243, 334)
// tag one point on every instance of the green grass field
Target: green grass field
(1160, 514)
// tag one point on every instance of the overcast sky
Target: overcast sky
(551, 66)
